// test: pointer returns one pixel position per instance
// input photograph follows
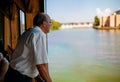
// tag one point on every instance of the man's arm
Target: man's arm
(44, 72)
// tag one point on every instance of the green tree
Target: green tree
(119, 26)
(55, 25)
(96, 21)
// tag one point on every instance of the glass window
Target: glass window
(22, 21)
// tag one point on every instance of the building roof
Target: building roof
(117, 11)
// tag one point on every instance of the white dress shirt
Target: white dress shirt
(30, 51)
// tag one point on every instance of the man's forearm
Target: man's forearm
(44, 73)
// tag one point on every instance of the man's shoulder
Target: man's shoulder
(30, 30)
(35, 30)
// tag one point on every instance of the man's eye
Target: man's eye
(50, 22)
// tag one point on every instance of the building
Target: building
(10, 18)
(11, 26)
(112, 21)
(76, 25)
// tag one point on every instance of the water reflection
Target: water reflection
(84, 55)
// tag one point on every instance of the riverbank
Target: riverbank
(106, 28)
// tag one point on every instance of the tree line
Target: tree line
(56, 25)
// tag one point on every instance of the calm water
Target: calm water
(84, 55)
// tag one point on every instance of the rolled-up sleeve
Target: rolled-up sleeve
(40, 51)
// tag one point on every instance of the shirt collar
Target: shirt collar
(38, 28)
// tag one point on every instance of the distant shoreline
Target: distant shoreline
(106, 28)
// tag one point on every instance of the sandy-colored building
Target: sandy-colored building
(112, 21)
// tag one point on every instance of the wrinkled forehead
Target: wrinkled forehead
(47, 17)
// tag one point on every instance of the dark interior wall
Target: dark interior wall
(1, 27)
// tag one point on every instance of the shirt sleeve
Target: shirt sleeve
(40, 51)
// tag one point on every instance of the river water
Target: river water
(84, 55)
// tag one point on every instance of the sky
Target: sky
(66, 11)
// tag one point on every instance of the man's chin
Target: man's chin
(47, 31)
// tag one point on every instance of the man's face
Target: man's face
(48, 24)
